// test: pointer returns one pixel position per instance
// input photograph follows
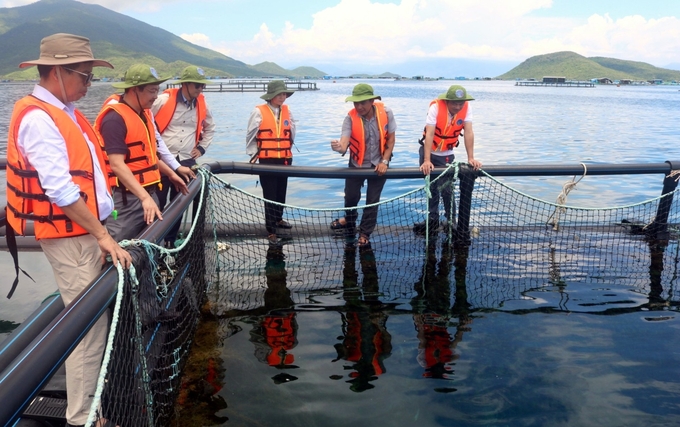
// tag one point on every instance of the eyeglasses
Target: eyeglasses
(87, 77)
(152, 89)
(199, 85)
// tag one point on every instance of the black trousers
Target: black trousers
(353, 195)
(274, 188)
(443, 188)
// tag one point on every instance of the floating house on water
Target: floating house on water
(555, 81)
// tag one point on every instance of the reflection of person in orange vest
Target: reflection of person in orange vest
(432, 314)
(280, 335)
(276, 333)
(365, 341)
(435, 348)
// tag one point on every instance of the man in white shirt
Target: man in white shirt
(55, 178)
(186, 125)
(448, 118)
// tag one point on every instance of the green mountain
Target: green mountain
(115, 37)
(307, 72)
(274, 70)
(384, 75)
(576, 67)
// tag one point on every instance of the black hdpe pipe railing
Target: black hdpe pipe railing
(657, 231)
(27, 373)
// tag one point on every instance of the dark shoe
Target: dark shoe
(363, 241)
(283, 224)
(337, 225)
(420, 227)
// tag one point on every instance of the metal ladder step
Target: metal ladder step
(42, 407)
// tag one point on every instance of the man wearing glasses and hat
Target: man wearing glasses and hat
(186, 125)
(448, 117)
(55, 177)
(135, 155)
(269, 139)
(369, 133)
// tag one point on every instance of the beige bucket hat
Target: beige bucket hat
(62, 49)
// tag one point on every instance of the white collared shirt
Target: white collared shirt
(431, 120)
(43, 146)
(180, 134)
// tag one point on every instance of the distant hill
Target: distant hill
(577, 67)
(384, 75)
(115, 37)
(273, 70)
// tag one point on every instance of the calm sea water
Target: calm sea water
(347, 358)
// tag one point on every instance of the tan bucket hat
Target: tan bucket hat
(62, 49)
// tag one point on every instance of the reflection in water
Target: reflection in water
(432, 314)
(275, 334)
(365, 340)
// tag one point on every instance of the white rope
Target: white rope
(562, 198)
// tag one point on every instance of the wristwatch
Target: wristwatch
(385, 162)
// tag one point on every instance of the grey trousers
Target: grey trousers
(130, 221)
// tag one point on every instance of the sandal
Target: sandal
(337, 225)
(363, 241)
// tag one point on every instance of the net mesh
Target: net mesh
(513, 247)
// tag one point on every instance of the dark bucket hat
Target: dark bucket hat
(276, 87)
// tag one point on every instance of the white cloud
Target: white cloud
(374, 33)
(364, 31)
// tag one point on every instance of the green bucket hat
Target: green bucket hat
(456, 93)
(276, 87)
(361, 92)
(138, 75)
(193, 74)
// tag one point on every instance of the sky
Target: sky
(383, 35)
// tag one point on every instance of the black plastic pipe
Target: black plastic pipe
(219, 167)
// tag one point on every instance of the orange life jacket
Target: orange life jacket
(142, 157)
(438, 345)
(357, 140)
(26, 199)
(446, 132)
(164, 115)
(115, 97)
(274, 139)
(280, 335)
(357, 350)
